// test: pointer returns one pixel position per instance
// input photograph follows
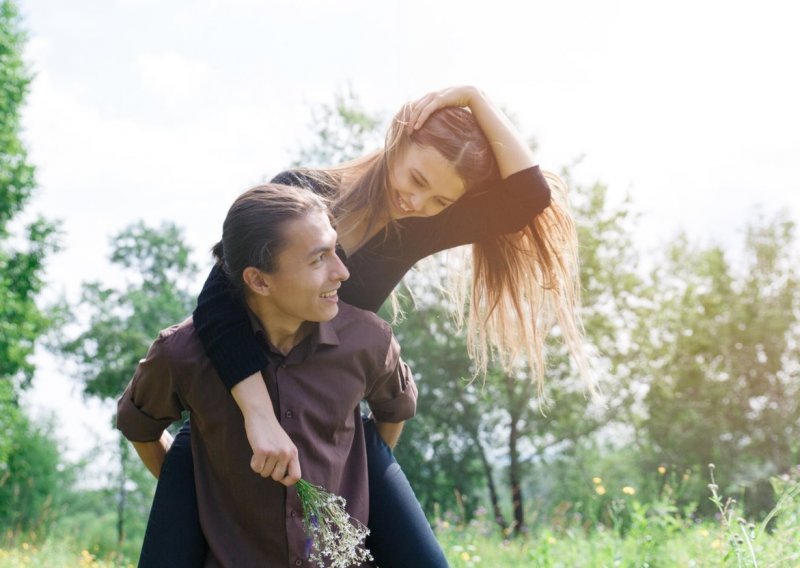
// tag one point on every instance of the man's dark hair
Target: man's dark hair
(253, 232)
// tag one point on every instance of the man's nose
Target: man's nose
(340, 271)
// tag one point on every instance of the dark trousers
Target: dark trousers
(400, 535)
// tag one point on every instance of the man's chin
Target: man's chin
(327, 314)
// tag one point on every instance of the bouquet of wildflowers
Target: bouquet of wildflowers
(334, 538)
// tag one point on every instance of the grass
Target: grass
(652, 535)
(54, 553)
(643, 535)
(703, 544)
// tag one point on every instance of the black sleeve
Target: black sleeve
(487, 212)
(484, 213)
(222, 323)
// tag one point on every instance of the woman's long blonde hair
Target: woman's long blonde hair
(523, 283)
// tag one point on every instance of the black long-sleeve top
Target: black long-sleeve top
(376, 267)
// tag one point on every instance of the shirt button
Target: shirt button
(283, 365)
(289, 414)
(292, 514)
(298, 562)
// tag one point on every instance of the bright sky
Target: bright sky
(167, 110)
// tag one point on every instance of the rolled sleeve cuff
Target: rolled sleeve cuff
(402, 407)
(136, 425)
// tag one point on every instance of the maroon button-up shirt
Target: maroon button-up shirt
(316, 390)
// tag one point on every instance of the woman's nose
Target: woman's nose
(414, 201)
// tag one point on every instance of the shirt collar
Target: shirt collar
(324, 333)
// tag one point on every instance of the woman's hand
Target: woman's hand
(421, 109)
(510, 150)
(274, 453)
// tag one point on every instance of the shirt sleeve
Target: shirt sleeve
(392, 394)
(150, 402)
(222, 323)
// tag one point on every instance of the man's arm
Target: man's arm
(152, 453)
(389, 432)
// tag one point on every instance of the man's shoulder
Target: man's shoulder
(366, 324)
(180, 342)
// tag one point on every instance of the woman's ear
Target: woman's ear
(256, 280)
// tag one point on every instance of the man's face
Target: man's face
(304, 285)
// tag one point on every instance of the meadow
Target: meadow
(634, 534)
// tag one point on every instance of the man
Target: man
(324, 358)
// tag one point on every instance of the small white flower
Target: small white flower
(335, 539)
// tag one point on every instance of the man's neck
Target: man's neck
(283, 333)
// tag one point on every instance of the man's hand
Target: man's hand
(274, 453)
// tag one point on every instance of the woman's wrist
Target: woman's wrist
(252, 398)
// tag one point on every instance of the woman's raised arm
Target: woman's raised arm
(510, 150)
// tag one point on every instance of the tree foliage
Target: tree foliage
(343, 131)
(724, 387)
(28, 456)
(22, 255)
(122, 322)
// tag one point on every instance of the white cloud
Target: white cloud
(172, 76)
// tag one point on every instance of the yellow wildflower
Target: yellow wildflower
(716, 543)
(600, 490)
(465, 556)
(628, 490)
(597, 480)
(551, 540)
(662, 470)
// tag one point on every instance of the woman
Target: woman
(447, 176)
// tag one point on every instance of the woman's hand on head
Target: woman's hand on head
(421, 109)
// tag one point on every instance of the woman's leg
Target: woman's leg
(400, 535)
(173, 538)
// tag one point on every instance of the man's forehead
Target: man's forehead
(309, 233)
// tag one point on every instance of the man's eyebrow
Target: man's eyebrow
(319, 250)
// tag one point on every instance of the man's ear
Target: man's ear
(256, 280)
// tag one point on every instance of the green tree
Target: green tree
(21, 267)
(23, 251)
(122, 322)
(724, 384)
(343, 130)
(30, 481)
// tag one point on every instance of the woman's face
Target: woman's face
(422, 183)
